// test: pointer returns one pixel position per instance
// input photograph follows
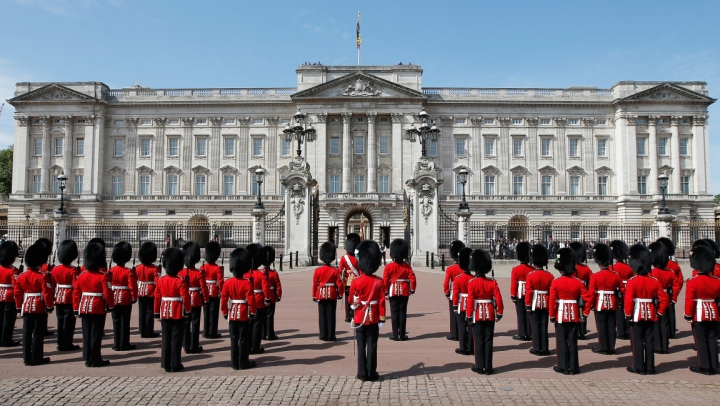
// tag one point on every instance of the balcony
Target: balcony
(526, 198)
(362, 196)
(145, 94)
(498, 94)
(191, 198)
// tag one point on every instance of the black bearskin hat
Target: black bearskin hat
(94, 257)
(97, 240)
(659, 254)
(523, 252)
(173, 261)
(35, 256)
(715, 247)
(480, 262)
(47, 244)
(464, 259)
(240, 262)
(212, 252)
(254, 250)
(603, 254)
(640, 259)
(267, 255)
(122, 252)
(147, 253)
(669, 245)
(351, 243)
(67, 252)
(620, 250)
(580, 253)
(455, 248)
(566, 261)
(702, 259)
(399, 250)
(328, 252)
(368, 257)
(9, 253)
(192, 254)
(539, 255)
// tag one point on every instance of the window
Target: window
(37, 146)
(660, 120)
(460, 147)
(144, 185)
(117, 147)
(641, 121)
(172, 185)
(545, 147)
(200, 181)
(36, 184)
(78, 184)
(602, 185)
(517, 185)
(117, 185)
(254, 185)
(359, 184)
(227, 212)
(517, 146)
(56, 184)
(334, 146)
(200, 121)
(490, 185)
(490, 213)
(201, 146)
(604, 213)
(285, 147)
(229, 146)
(575, 213)
(143, 213)
(458, 186)
(489, 121)
(459, 121)
(573, 121)
(490, 146)
(547, 213)
(173, 146)
(662, 146)
(258, 121)
(59, 145)
(641, 146)
(145, 122)
(642, 185)
(574, 147)
(116, 212)
(359, 145)
(517, 121)
(600, 122)
(601, 147)
(229, 121)
(228, 185)
(432, 148)
(545, 121)
(359, 120)
(145, 147)
(574, 185)
(546, 184)
(384, 184)
(685, 185)
(282, 189)
(646, 211)
(80, 146)
(334, 184)
(257, 146)
(684, 146)
(384, 141)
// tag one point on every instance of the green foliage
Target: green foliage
(717, 200)
(6, 163)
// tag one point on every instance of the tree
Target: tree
(717, 200)
(6, 163)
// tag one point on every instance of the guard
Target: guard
(8, 275)
(348, 270)
(584, 273)
(666, 277)
(274, 292)
(237, 304)
(125, 288)
(537, 299)
(400, 283)
(677, 283)
(517, 290)
(147, 274)
(620, 254)
(327, 289)
(605, 287)
(172, 305)
(450, 273)
(460, 295)
(63, 279)
(701, 309)
(484, 309)
(260, 286)
(195, 281)
(214, 279)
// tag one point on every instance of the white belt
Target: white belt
(536, 293)
(27, 295)
(561, 308)
(172, 299)
(33, 295)
(237, 301)
(636, 313)
(402, 280)
(146, 283)
(521, 288)
(61, 286)
(601, 298)
(120, 288)
(193, 289)
(94, 294)
(330, 284)
(367, 311)
(257, 291)
(699, 307)
(483, 301)
(7, 285)
(461, 296)
(213, 281)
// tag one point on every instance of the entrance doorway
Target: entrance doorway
(198, 228)
(359, 221)
(518, 228)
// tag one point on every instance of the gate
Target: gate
(275, 231)
(315, 225)
(407, 211)
(447, 229)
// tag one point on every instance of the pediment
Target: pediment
(200, 169)
(604, 170)
(359, 85)
(229, 169)
(144, 169)
(491, 170)
(117, 169)
(547, 170)
(668, 93)
(576, 171)
(519, 170)
(172, 169)
(52, 93)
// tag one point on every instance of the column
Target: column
(321, 153)
(532, 154)
(347, 154)
(90, 172)
(503, 156)
(652, 185)
(446, 152)
(46, 154)
(214, 153)
(398, 153)
(130, 157)
(258, 226)
(561, 153)
(242, 155)
(700, 155)
(21, 151)
(68, 151)
(675, 155)
(185, 165)
(158, 184)
(588, 157)
(372, 153)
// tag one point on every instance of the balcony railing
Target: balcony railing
(190, 197)
(362, 196)
(495, 93)
(134, 94)
(456, 198)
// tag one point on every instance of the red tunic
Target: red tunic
(348, 269)
(63, 280)
(604, 288)
(639, 297)
(537, 289)
(33, 292)
(450, 274)
(197, 286)
(326, 284)
(679, 279)
(624, 272)
(399, 279)
(368, 293)
(124, 285)
(518, 277)
(460, 291)
(666, 278)
(237, 300)
(274, 292)
(481, 292)
(565, 293)
(172, 297)
(584, 273)
(8, 275)
(260, 286)
(214, 278)
(92, 293)
(147, 276)
(703, 293)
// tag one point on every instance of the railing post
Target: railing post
(427, 258)
(432, 260)
(296, 259)
(290, 259)
(281, 258)
(442, 264)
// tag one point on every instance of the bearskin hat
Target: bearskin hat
(328, 252)
(580, 252)
(254, 250)
(369, 257)
(173, 261)
(67, 252)
(539, 255)
(523, 252)
(97, 240)
(480, 262)
(702, 259)
(212, 252)
(351, 243)
(455, 248)
(619, 250)
(715, 247)
(122, 252)
(147, 253)
(35, 256)
(399, 250)
(267, 255)
(9, 253)
(603, 254)
(192, 254)
(669, 245)
(566, 261)
(94, 257)
(464, 259)
(659, 255)
(640, 259)
(240, 262)
(47, 244)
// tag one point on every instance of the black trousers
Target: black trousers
(566, 336)
(398, 315)
(672, 322)
(192, 330)
(258, 324)
(539, 323)
(66, 325)
(269, 327)
(464, 333)
(523, 319)
(349, 313)
(605, 323)
(706, 341)
(483, 333)
(146, 319)
(367, 339)
(453, 322)
(582, 329)
(8, 313)
(172, 340)
(34, 327)
(240, 343)
(93, 326)
(621, 324)
(662, 333)
(210, 317)
(326, 315)
(121, 325)
(642, 341)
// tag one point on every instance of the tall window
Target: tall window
(384, 142)
(173, 146)
(432, 148)
(384, 184)
(229, 146)
(172, 185)
(359, 145)
(359, 184)
(254, 186)
(460, 149)
(489, 185)
(228, 185)
(36, 184)
(641, 146)
(546, 184)
(334, 184)
(574, 142)
(118, 147)
(78, 184)
(257, 146)
(685, 185)
(37, 146)
(517, 185)
(117, 185)
(145, 147)
(201, 146)
(517, 146)
(200, 181)
(144, 185)
(602, 185)
(602, 147)
(684, 146)
(574, 185)
(458, 186)
(334, 146)
(662, 146)
(56, 184)
(545, 147)
(58, 146)
(490, 146)
(285, 147)
(80, 146)
(642, 185)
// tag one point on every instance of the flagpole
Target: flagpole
(358, 38)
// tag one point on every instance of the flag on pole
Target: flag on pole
(358, 31)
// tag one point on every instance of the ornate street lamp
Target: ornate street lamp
(424, 132)
(301, 130)
(463, 177)
(259, 175)
(663, 183)
(62, 178)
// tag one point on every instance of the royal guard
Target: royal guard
(400, 283)
(566, 295)
(8, 274)
(195, 280)
(147, 274)
(125, 288)
(701, 309)
(666, 277)
(517, 290)
(348, 270)
(460, 295)
(237, 304)
(214, 279)
(584, 273)
(450, 273)
(327, 289)
(273, 294)
(96, 240)
(484, 309)
(537, 299)
(712, 246)
(34, 300)
(677, 283)
(172, 305)
(620, 254)
(259, 281)
(605, 287)
(368, 301)
(47, 253)
(92, 299)
(645, 299)
(63, 277)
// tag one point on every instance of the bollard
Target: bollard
(427, 258)
(432, 260)
(442, 260)
(281, 258)
(290, 259)
(296, 259)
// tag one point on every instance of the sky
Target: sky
(224, 43)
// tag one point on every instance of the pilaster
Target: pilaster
(321, 151)
(503, 156)
(130, 159)
(22, 152)
(398, 153)
(700, 155)
(652, 153)
(158, 184)
(560, 154)
(68, 147)
(588, 157)
(675, 155)
(214, 177)
(531, 155)
(372, 153)
(185, 165)
(347, 154)
(46, 154)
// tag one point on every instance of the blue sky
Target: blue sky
(223, 43)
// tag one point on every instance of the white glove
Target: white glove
(380, 325)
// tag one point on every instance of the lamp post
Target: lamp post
(302, 130)
(62, 178)
(424, 132)
(663, 183)
(462, 177)
(259, 174)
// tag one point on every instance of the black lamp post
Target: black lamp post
(259, 174)
(462, 177)
(663, 183)
(62, 178)
(424, 132)
(301, 130)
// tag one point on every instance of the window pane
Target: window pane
(545, 147)
(458, 187)
(573, 147)
(254, 186)
(602, 185)
(228, 185)
(683, 146)
(201, 146)
(257, 146)
(460, 146)
(574, 185)
(685, 185)
(118, 147)
(145, 147)
(546, 185)
(36, 183)
(642, 185)
(432, 148)
(359, 145)
(37, 150)
(517, 185)
(334, 184)
(359, 184)
(117, 185)
(172, 185)
(78, 183)
(335, 146)
(384, 145)
(601, 147)
(285, 147)
(662, 146)
(490, 146)
(200, 185)
(517, 147)
(384, 184)
(641, 146)
(173, 147)
(490, 185)
(58, 146)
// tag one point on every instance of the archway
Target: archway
(198, 230)
(517, 228)
(359, 221)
